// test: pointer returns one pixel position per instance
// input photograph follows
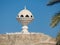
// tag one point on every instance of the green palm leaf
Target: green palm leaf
(52, 2)
(55, 20)
(58, 38)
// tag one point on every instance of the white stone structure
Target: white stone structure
(24, 37)
(25, 17)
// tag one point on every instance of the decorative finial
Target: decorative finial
(25, 17)
(25, 7)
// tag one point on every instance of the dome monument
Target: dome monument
(25, 17)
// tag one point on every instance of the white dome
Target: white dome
(25, 16)
(25, 12)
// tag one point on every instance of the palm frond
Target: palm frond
(52, 2)
(58, 36)
(55, 20)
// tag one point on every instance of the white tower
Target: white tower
(25, 17)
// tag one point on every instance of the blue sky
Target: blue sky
(42, 13)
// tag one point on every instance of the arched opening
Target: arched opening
(31, 15)
(27, 16)
(21, 16)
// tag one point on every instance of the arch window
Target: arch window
(21, 16)
(27, 15)
(31, 15)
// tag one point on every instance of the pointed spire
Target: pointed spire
(25, 7)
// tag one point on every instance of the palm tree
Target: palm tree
(58, 39)
(55, 20)
(52, 2)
